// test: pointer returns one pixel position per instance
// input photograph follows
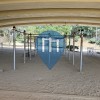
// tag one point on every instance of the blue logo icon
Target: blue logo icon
(50, 47)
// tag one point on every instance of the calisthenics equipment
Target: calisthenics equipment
(28, 38)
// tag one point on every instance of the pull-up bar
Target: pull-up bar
(55, 36)
(14, 46)
(30, 42)
(81, 49)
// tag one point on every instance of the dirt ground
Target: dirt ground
(34, 81)
(15, 95)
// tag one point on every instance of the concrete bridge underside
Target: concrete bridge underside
(20, 12)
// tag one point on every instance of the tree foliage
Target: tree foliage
(88, 30)
(63, 29)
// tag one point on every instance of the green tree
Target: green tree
(88, 30)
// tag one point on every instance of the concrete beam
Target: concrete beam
(25, 4)
(50, 13)
(47, 11)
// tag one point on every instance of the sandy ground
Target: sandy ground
(34, 81)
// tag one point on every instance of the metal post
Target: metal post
(30, 46)
(81, 51)
(24, 46)
(96, 33)
(69, 49)
(65, 40)
(96, 37)
(35, 46)
(64, 45)
(1, 45)
(14, 48)
(73, 48)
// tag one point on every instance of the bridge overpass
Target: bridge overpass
(21, 12)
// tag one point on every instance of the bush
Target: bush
(92, 40)
(98, 42)
(2, 35)
(76, 38)
(20, 39)
(71, 47)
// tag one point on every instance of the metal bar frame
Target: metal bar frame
(24, 46)
(81, 52)
(14, 48)
(73, 48)
(69, 49)
(30, 47)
